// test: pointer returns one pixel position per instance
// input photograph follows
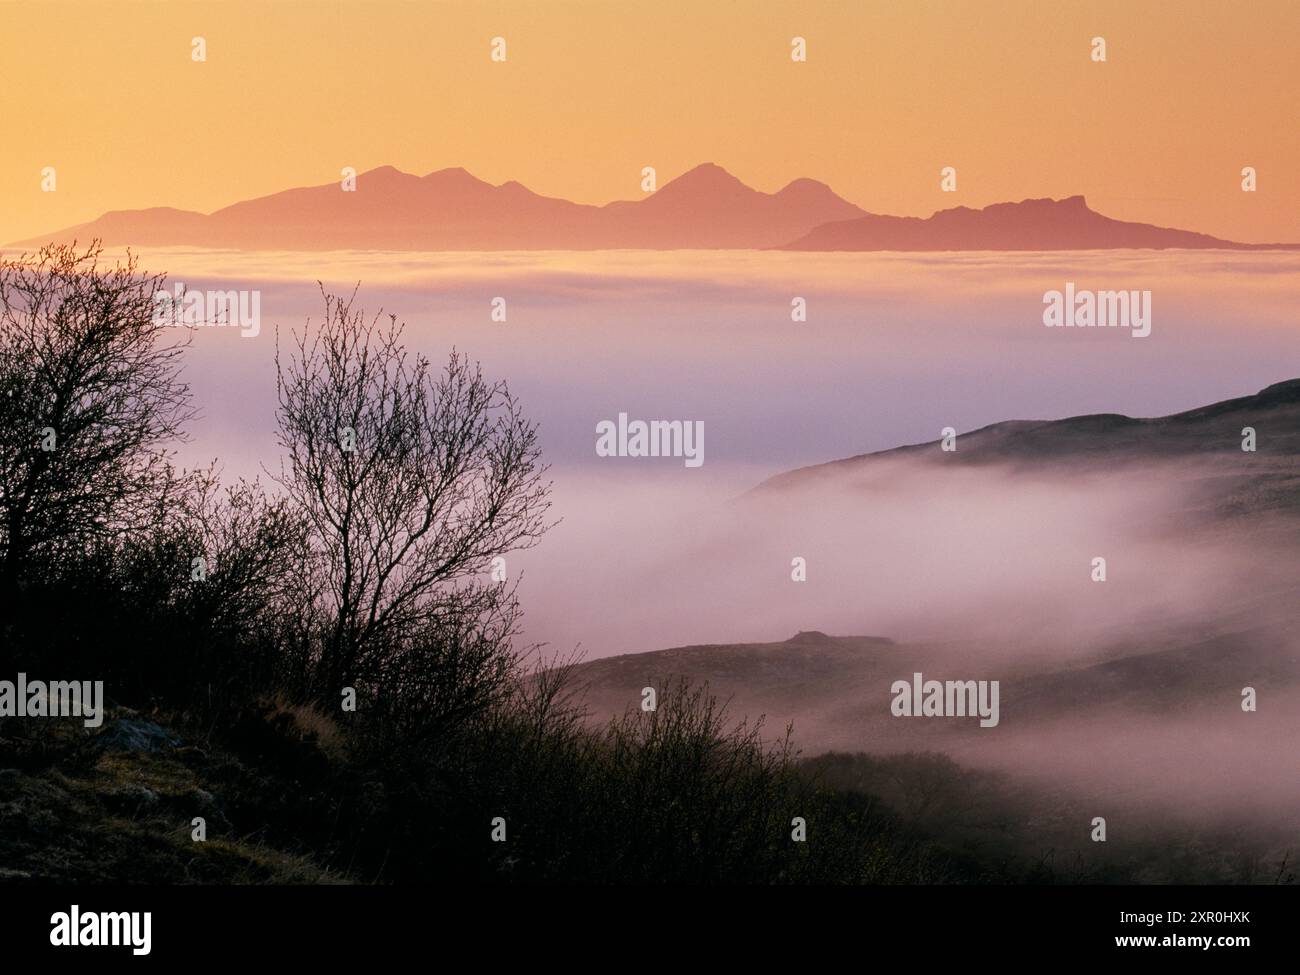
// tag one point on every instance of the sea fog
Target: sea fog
(894, 349)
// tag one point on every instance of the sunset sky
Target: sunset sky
(591, 92)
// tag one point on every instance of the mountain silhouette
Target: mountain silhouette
(1030, 225)
(452, 210)
(1207, 433)
(706, 207)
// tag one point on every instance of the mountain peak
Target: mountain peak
(811, 636)
(1066, 204)
(453, 174)
(710, 169)
(804, 188)
(383, 172)
(706, 176)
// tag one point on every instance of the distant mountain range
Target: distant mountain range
(1030, 225)
(706, 207)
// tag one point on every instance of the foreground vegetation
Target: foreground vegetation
(233, 625)
(331, 667)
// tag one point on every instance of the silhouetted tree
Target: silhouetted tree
(401, 484)
(411, 482)
(90, 400)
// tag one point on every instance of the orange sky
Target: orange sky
(592, 91)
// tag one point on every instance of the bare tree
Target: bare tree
(411, 482)
(90, 399)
